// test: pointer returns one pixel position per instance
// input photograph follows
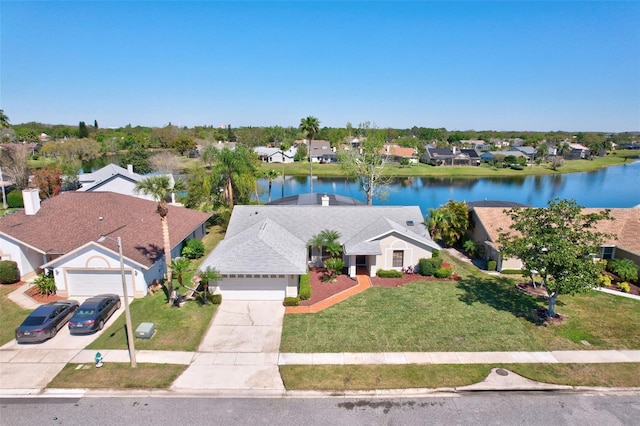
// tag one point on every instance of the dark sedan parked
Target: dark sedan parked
(45, 321)
(93, 313)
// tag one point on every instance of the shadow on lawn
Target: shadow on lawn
(500, 294)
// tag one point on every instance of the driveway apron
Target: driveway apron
(239, 351)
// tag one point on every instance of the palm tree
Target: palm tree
(310, 126)
(271, 175)
(179, 266)
(160, 188)
(206, 276)
(236, 169)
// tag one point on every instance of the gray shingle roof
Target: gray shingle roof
(270, 239)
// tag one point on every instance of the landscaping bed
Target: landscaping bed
(322, 290)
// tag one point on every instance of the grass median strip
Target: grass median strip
(177, 329)
(117, 376)
(368, 377)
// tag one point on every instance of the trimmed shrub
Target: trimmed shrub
(492, 265)
(305, 287)
(389, 273)
(14, 199)
(512, 272)
(443, 273)
(46, 284)
(9, 273)
(291, 301)
(435, 253)
(604, 281)
(216, 299)
(624, 268)
(426, 268)
(193, 249)
(624, 287)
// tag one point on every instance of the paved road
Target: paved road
(475, 409)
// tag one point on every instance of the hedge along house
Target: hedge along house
(266, 248)
(624, 229)
(62, 235)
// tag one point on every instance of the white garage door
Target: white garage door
(253, 288)
(91, 282)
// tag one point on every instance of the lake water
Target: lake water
(616, 186)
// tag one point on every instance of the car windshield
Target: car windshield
(84, 313)
(34, 320)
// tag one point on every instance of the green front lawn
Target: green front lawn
(11, 315)
(177, 329)
(477, 313)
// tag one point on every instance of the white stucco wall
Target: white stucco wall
(95, 259)
(28, 260)
(413, 252)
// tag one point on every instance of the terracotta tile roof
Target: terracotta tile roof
(625, 227)
(72, 219)
(402, 152)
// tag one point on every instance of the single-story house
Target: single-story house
(625, 228)
(492, 155)
(275, 155)
(447, 157)
(266, 248)
(113, 178)
(528, 151)
(62, 234)
(396, 154)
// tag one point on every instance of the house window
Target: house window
(280, 276)
(232, 275)
(398, 258)
(607, 252)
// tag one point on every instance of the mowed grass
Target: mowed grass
(367, 377)
(477, 313)
(177, 329)
(301, 168)
(11, 315)
(117, 376)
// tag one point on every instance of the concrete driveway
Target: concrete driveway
(239, 351)
(34, 365)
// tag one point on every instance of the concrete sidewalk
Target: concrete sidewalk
(398, 358)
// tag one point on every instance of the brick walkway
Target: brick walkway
(363, 283)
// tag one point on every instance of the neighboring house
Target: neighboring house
(321, 152)
(491, 155)
(477, 144)
(437, 156)
(447, 157)
(625, 228)
(275, 155)
(528, 151)
(265, 250)
(577, 152)
(61, 235)
(473, 155)
(113, 178)
(396, 153)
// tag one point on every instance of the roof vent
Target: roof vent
(409, 223)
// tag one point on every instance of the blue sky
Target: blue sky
(545, 66)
